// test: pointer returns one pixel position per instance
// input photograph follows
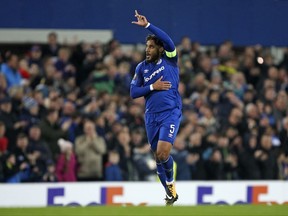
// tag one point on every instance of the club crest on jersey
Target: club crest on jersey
(147, 79)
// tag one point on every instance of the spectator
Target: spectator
(30, 113)
(3, 139)
(207, 119)
(182, 160)
(142, 156)
(112, 169)
(66, 163)
(123, 79)
(39, 146)
(134, 116)
(35, 56)
(12, 122)
(284, 135)
(280, 106)
(3, 83)
(248, 165)
(63, 65)
(69, 115)
(185, 46)
(266, 158)
(24, 69)
(123, 146)
(50, 175)
(10, 71)
(52, 131)
(16, 93)
(101, 80)
(92, 57)
(1, 168)
(282, 161)
(25, 160)
(8, 166)
(90, 149)
(13, 173)
(196, 156)
(52, 47)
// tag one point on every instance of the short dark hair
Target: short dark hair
(54, 34)
(21, 136)
(155, 39)
(10, 56)
(51, 111)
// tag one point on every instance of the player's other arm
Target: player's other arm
(136, 87)
(139, 91)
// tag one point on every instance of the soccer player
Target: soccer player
(157, 78)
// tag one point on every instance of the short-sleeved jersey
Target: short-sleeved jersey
(148, 73)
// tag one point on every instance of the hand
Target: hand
(66, 125)
(141, 20)
(232, 159)
(20, 124)
(264, 122)
(91, 136)
(258, 153)
(23, 166)
(161, 85)
(264, 157)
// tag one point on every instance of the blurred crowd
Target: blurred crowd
(66, 114)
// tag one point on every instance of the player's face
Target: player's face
(153, 51)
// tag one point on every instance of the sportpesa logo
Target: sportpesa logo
(146, 79)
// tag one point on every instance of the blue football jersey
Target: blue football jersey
(148, 73)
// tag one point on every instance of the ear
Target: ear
(161, 50)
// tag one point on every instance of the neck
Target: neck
(157, 60)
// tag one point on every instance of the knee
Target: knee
(162, 155)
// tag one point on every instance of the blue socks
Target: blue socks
(168, 168)
(161, 174)
(165, 171)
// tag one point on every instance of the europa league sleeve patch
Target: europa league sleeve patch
(133, 82)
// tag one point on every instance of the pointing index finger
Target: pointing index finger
(136, 13)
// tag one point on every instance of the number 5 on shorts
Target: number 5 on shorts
(172, 128)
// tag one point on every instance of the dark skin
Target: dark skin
(153, 54)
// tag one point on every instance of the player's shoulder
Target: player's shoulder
(140, 65)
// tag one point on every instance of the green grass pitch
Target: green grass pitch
(211, 210)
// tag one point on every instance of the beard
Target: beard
(153, 57)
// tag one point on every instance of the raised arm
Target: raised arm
(163, 36)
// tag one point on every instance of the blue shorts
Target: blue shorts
(162, 126)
